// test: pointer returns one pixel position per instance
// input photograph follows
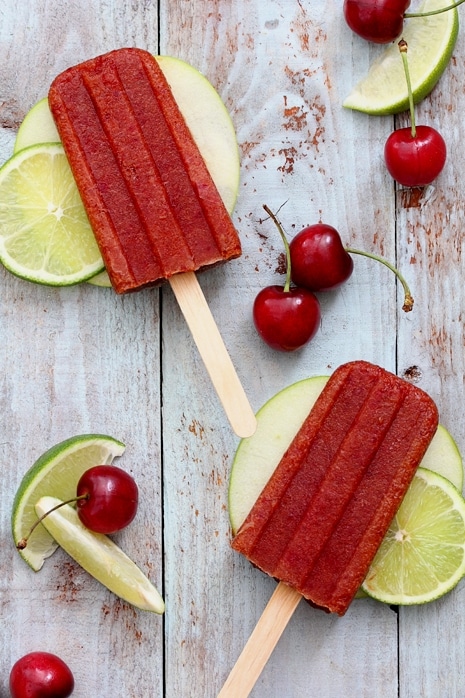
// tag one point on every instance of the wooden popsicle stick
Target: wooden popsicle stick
(215, 356)
(261, 643)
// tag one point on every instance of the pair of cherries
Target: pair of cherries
(287, 317)
(414, 156)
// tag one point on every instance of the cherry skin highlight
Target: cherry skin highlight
(41, 675)
(415, 161)
(319, 261)
(380, 21)
(286, 319)
(110, 499)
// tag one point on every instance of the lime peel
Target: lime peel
(99, 555)
(56, 472)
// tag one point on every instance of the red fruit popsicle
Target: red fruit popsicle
(151, 202)
(323, 514)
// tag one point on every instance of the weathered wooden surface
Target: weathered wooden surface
(81, 359)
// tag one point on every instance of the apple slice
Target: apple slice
(279, 420)
(37, 127)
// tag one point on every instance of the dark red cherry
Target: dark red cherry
(380, 21)
(41, 675)
(415, 160)
(286, 319)
(319, 261)
(110, 499)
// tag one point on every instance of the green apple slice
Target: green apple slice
(278, 421)
(99, 556)
(37, 127)
(443, 457)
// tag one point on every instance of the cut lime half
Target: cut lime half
(422, 555)
(99, 556)
(45, 235)
(431, 41)
(56, 473)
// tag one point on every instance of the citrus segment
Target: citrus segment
(431, 41)
(99, 556)
(56, 473)
(45, 235)
(423, 554)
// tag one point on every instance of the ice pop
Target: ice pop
(320, 519)
(152, 204)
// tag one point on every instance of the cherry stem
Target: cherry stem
(434, 12)
(286, 246)
(403, 47)
(408, 298)
(21, 544)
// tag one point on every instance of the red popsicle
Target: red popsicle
(323, 514)
(152, 204)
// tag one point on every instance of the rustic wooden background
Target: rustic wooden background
(84, 360)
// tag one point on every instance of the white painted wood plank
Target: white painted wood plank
(74, 361)
(430, 243)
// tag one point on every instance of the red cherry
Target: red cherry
(415, 160)
(41, 675)
(286, 319)
(319, 261)
(111, 498)
(380, 21)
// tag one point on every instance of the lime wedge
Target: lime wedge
(431, 41)
(99, 556)
(56, 472)
(45, 235)
(423, 554)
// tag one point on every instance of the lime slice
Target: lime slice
(99, 556)
(45, 235)
(423, 554)
(56, 472)
(431, 41)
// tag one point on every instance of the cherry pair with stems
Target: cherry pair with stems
(287, 317)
